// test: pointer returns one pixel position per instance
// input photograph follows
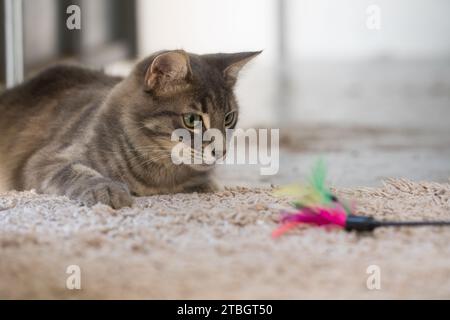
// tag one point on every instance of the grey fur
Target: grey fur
(96, 138)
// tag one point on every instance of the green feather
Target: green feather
(317, 181)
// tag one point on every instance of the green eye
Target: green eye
(189, 119)
(230, 119)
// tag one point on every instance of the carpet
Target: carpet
(205, 246)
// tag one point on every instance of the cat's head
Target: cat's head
(174, 90)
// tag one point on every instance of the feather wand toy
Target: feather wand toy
(317, 205)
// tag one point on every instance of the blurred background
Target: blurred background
(363, 83)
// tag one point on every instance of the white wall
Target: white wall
(329, 29)
(206, 26)
(337, 29)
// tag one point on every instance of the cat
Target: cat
(102, 139)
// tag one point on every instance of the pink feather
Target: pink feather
(320, 216)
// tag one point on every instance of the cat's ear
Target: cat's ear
(236, 62)
(168, 71)
(231, 63)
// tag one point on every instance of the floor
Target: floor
(367, 120)
(219, 246)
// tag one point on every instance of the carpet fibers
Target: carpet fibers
(219, 246)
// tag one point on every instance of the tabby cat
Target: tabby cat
(97, 138)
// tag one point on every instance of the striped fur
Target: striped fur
(95, 138)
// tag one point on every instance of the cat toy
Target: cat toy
(315, 204)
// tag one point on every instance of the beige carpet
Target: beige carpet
(219, 246)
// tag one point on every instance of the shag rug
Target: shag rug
(219, 246)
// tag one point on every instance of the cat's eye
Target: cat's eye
(189, 119)
(230, 119)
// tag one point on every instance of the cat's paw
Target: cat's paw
(209, 187)
(113, 194)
